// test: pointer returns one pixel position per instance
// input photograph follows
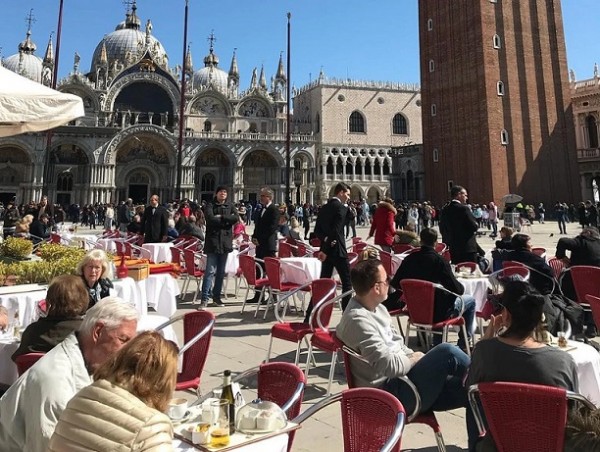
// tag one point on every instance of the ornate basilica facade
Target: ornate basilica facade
(126, 145)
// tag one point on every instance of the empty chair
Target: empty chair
(193, 270)
(250, 268)
(197, 334)
(372, 419)
(25, 361)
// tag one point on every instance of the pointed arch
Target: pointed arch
(399, 124)
(356, 122)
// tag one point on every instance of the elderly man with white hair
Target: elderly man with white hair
(31, 407)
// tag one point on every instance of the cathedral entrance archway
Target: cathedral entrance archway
(138, 187)
(213, 168)
(261, 169)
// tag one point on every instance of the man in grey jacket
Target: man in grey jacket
(366, 327)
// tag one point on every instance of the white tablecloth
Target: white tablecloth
(22, 299)
(300, 270)
(109, 245)
(158, 252)
(8, 369)
(134, 291)
(587, 360)
(477, 287)
(158, 291)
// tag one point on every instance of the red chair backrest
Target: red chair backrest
(557, 266)
(189, 257)
(273, 269)
(524, 416)
(54, 237)
(175, 255)
(369, 417)
(506, 264)
(302, 251)
(440, 247)
(538, 251)
(358, 247)
(27, 360)
(277, 382)
(347, 358)
(419, 297)
(586, 280)
(595, 306)
(399, 248)
(285, 249)
(194, 358)
(315, 242)
(356, 240)
(446, 256)
(386, 261)
(248, 267)
(323, 290)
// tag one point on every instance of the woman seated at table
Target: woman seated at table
(510, 352)
(96, 272)
(66, 303)
(124, 408)
(3, 318)
(22, 227)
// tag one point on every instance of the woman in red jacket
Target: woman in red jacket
(382, 225)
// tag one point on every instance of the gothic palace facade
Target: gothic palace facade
(126, 145)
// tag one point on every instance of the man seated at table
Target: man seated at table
(31, 407)
(541, 277)
(428, 265)
(3, 318)
(366, 327)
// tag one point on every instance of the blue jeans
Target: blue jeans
(215, 269)
(438, 377)
(469, 316)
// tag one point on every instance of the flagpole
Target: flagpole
(182, 106)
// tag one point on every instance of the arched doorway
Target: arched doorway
(213, 168)
(261, 169)
(373, 195)
(64, 188)
(138, 187)
(14, 165)
(355, 193)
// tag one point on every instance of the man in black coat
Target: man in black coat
(155, 222)
(329, 228)
(266, 223)
(428, 265)
(39, 229)
(458, 227)
(221, 215)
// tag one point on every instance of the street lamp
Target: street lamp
(178, 168)
(288, 135)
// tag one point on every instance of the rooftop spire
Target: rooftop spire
(189, 66)
(234, 72)
(103, 54)
(49, 55)
(262, 79)
(131, 19)
(211, 59)
(280, 71)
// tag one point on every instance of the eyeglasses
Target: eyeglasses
(386, 282)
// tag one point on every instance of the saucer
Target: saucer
(185, 418)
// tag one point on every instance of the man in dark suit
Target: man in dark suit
(329, 228)
(266, 224)
(428, 265)
(458, 227)
(155, 222)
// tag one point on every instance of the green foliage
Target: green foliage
(16, 247)
(56, 260)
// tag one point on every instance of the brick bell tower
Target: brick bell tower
(496, 107)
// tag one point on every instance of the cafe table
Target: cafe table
(157, 252)
(587, 360)
(477, 287)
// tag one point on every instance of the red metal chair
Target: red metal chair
(323, 338)
(323, 290)
(416, 417)
(249, 268)
(523, 416)
(276, 284)
(420, 299)
(386, 261)
(372, 419)
(440, 247)
(471, 266)
(315, 242)
(197, 334)
(399, 248)
(193, 270)
(27, 360)
(594, 303)
(539, 251)
(557, 266)
(446, 255)
(586, 281)
(358, 247)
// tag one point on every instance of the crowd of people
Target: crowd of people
(98, 370)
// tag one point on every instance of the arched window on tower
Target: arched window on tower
(208, 183)
(357, 122)
(399, 125)
(207, 126)
(592, 131)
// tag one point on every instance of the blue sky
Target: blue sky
(367, 40)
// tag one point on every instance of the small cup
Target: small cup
(201, 433)
(177, 408)
(562, 339)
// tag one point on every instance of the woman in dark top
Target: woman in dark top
(96, 273)
(510, 352)
(66, 303)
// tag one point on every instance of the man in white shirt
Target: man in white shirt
(30, 409)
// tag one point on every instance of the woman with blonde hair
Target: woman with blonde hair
(23, 225)
(123, 410)
(96, 272)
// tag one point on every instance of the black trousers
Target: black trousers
(343, 268)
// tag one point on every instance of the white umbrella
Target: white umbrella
(512, 198)
(27, 106)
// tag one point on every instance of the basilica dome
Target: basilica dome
(210, 75)
(25, 62)
(127, 44)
